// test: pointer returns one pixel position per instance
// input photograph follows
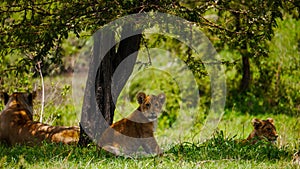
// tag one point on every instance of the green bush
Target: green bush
(275, 79)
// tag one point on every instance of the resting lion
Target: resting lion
(136, 131)
(17, 125)
(296, 158)
(263, 130)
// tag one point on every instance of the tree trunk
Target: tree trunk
(106, 81)
(246, 79)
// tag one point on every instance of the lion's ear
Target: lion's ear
(162, 98)
(4, 96)
(140, 97)
(31, 97)
(256, 123)
(270, 120)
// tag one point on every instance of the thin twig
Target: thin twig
(43, 90)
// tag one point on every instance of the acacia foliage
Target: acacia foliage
(39, 27)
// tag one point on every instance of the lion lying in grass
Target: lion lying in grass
(263, 130)
(17, 125)
(126, 136)
(296, 158)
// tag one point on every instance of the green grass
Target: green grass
(220, 151)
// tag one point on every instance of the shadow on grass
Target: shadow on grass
(49, 152)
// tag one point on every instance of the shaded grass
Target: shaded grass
(217, 152)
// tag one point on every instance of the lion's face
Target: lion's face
(19, 100)
(265, 129)
(151, 105)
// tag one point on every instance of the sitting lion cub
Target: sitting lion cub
(17, 125)
(136, 131)
(263, 130)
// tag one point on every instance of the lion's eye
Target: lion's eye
(148, 105)
(269, 129)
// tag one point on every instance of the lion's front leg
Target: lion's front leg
(151, 147)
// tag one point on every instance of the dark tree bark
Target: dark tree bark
(246, 78)
(106, 81)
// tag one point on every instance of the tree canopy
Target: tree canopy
(33, 32)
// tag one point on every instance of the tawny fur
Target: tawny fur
(136, 131)
(17, 125)
(296, 158)
(263, 130)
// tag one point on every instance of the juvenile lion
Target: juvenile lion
(129, 134)
(296, 158)
(17, 125)
(263, 130)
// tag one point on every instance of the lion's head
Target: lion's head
(150, 105)
(19, 100)
(264, 129)
(296, 158)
